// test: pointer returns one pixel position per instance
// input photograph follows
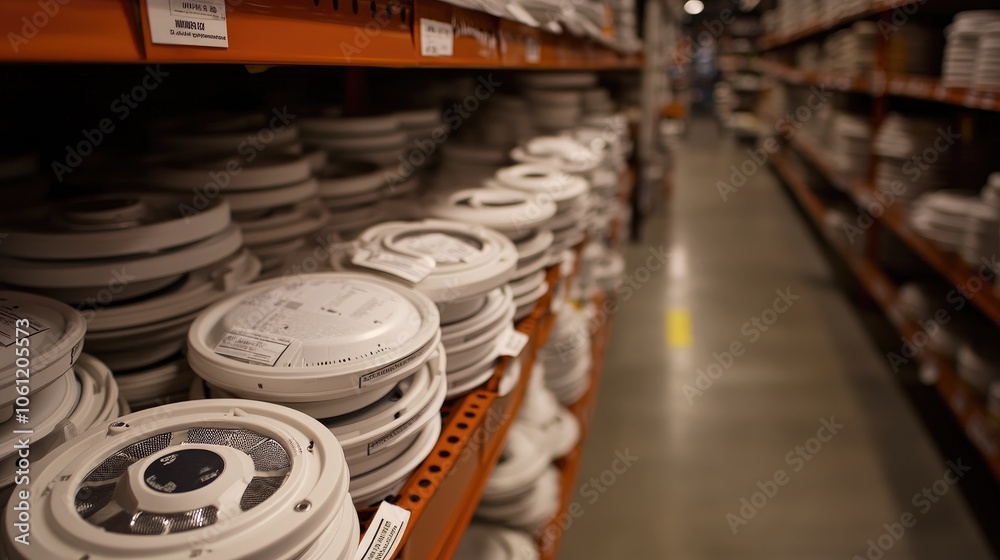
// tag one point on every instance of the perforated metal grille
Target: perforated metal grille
(116, 465)
(95, 498)
(91, 499)
(143, 523)
(267, 454)
(260, 489)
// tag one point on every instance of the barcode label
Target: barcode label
(437, 38)
(200, 23)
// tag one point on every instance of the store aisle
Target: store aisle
(667, 469)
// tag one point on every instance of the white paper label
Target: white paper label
(437, 38)
(409, 268)
(201, 23)
(253, 347)
(513, 343)
(532, 51)
(384, 534)
(443, 248)
(8, 326)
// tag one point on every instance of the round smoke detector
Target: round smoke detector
(511, 212)
(452, 263)
(60, 411)
(545, 180)
(493, 542)
(562, 152)
(266, 171)
(350, 178)
(370, 488)
(252, 479)
(314, 337)
(54, 334)
(112, 225)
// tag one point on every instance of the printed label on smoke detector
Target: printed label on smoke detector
(409, 268)
(253, 347)
(513, 343)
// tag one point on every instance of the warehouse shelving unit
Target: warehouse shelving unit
(443, 493)
(981, 428)
(327, 32)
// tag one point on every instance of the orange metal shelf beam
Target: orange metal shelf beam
(926, 88)
(981, 429)
(373, 33)
(775, 40)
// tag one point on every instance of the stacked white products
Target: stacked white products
(960, 222)
(49, 390)
(483, 541)
(523, 490)
(552, 424)
(464, 269)
(379, 139)
(568, 192)
(273, 199)
(899, 140)
(251, 478)
(361, 353)
(353, 193)
(850, 146)
(566, 357)
(851, 51)
(518, 215)
(970, 38)
(138, 268)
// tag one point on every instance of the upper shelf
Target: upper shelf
(877, 84)
(780, 39)
(321, 32)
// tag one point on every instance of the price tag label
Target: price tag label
(201, 23)
(532, 50)
(410, 268)
(437, 38)
(513, 343)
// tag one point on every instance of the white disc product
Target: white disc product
(314, 337)
(377, 428)
(60, 411)
(483, 541)
(454, 264)
(544, 180)
(266, 171)
(252, 479)
(511, 212)
(370, 488)
(41, 340)
(110, 225)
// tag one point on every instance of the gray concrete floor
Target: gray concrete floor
(697, 459)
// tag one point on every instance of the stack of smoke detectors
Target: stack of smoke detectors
(464, 269)
(600, 270)
(850, 145)
(959, 222)
(551, 424)
(382, 140)
(557, 100)
(570, 193)
(138, 269)
(273, 197)
(357, 352)
(523, 490)
(484, 141)
(354, 193)
(897, 142)
(486, 541)
(191, 479)
(566, 356)
(518, 215)
(48, 388)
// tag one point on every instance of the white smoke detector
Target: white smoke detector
(188, 480)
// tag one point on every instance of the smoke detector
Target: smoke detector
(249, 478)
(452, 263)
(314, 337)
(54, 333)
